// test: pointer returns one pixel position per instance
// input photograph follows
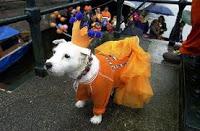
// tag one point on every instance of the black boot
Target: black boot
(172, 57)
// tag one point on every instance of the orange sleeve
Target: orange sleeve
(192, 45)
(82, 93)
(101, 90)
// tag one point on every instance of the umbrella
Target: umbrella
(159, 9)
(130, 3)
(135, 4)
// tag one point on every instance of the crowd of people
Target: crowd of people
(155, 29)
(97, 19)
(101, 19)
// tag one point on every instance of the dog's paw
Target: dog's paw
(80, 104)
(96, 119)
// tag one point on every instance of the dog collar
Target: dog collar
(84, 72)
(87, 68)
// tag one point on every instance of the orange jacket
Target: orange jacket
(192, 45)
(106, 14)
(100, 89)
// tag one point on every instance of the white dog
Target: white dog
(71, 59)
(97, 75)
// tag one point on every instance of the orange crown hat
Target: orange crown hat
(79, 36)
(83, 36)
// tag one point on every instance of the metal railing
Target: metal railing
(165, 1)
(33, 15)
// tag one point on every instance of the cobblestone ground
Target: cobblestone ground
(47, 104)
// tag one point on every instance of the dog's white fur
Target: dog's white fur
(73, 66)
(80, 104)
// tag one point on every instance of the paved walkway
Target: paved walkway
(47, 104)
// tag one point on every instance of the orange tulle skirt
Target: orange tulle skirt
(135, 88)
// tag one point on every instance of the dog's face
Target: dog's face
(67, 58)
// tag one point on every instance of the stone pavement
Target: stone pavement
(47, 104)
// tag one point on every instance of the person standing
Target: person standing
(98, 14)
(192, 44)
(162, 24)
(155, 30)
(106, 14)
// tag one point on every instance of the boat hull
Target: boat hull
(14, 56)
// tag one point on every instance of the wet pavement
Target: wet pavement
(47, 104)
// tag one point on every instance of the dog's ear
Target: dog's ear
(59, 41)
(85, 52)
(84, 55)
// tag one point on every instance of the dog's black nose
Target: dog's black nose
(48, 65)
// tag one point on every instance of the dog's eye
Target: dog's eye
(67, 56)
(54, 51)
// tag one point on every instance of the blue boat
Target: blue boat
(12, 48)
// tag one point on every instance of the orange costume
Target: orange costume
(106, 14)
(124, 66)
(192, 45)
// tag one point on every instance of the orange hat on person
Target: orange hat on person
(79, 36)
